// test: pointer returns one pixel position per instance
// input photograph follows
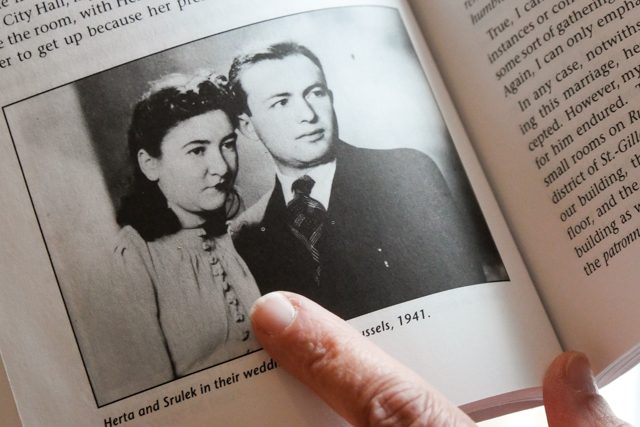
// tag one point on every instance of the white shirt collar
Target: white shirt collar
(323, 176)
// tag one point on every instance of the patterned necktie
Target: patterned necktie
(306, 218)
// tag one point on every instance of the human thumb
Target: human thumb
(571, 396)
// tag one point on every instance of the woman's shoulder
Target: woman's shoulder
(129, 243)
(131, 258)
(128, 237)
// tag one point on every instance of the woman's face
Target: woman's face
(197, 166)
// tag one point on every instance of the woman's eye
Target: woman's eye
(197, 151)
(280, 103)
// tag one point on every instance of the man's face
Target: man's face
(291, 110)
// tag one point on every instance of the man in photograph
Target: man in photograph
(354, 229)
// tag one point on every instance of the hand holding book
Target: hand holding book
(368, 387)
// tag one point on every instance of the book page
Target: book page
(548, 91)
(106, 323)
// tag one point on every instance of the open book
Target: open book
(520, 118)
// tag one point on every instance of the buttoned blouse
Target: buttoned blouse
(186, 298)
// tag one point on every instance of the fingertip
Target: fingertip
(577, 371)
(272, 313)
(358, 380)
(571, 369)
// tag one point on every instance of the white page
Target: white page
(42, 350)
(593, 308)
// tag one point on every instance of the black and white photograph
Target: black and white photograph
(304, 153)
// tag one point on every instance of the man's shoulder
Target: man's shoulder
(404, 164)
(385, 157)
(251, 218)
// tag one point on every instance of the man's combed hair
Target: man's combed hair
(274, 51)
(170, 101)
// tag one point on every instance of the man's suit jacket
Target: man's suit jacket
(393, 233)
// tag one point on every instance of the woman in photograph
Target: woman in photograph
(183, 291)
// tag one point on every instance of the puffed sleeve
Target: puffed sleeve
(136, 352)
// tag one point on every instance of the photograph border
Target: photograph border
(6, 107)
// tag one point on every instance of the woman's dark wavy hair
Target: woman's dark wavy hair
(169, 102)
